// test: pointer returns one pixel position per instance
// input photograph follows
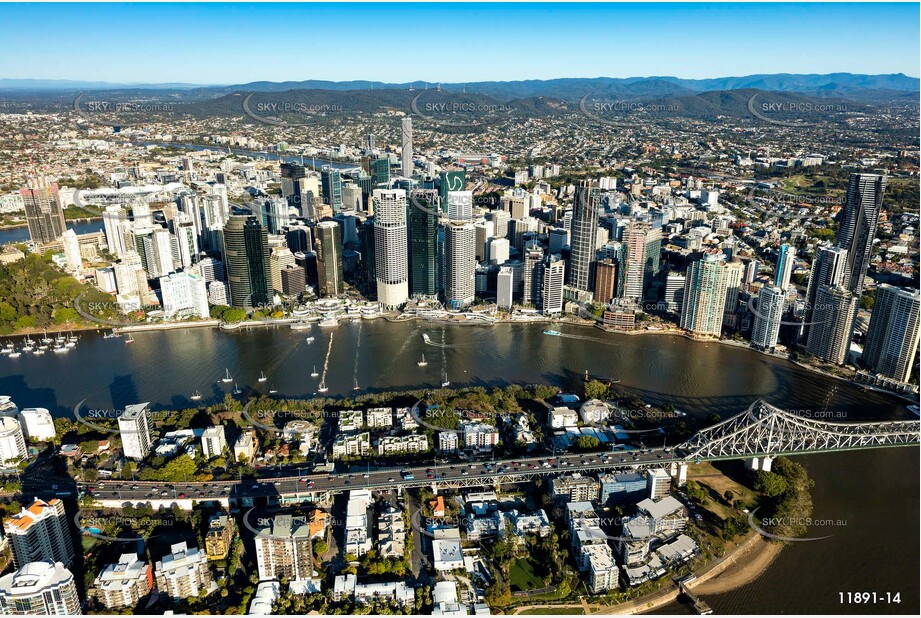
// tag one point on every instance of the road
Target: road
(310, 486)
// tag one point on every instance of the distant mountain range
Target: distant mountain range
(566, 89)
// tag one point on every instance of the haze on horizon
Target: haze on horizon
(238, 43)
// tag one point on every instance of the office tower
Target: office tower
(114, 220)
(280, 258)
(605, 281)
(187, 240)
(460, 205)
(423, 243)
(348, 227)
(499, 250)
(352, 197)
(674, 291)
(276, 215)
(522, 230)
(558, 240)
(767, 318)
(329, 259)
(735, 270)
(658, 483)
(331, 180)
(379, 169)
(293, 280)
(246, 255)
(72, 257)
(858, 228)
(484, 231)
(40, 532)
(391, 254)
(134, 429)
(39, 589)
(705, 296)
(892, 339)
(123, 583)
(505, 287)
(586, 207)
(460, 264)
(552, 285)
(828, 268)
(785, 258)
(833, 317)
(284, 549)
(184, 294)
(370, 142)
(213, 441)
(215, 218)
(634, 246)
(406, 125)
(292, 175)
(518, 206)
(532, 274)
(210, 269)
(44, 211)
(183, 573)
(500, 220)
(651, 260)
(751, 271)
(130, 278)
(298, 238)
(12, 441)
(450, 180)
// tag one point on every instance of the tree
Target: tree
(770, 484)
(595, 390)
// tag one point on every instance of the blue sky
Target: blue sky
(237, 43)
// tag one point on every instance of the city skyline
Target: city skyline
(222, 43)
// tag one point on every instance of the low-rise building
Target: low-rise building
(480, 435)
(213, 442)
(219, 537)
(666, 515)
(594, 411)
(245, 446)
(618, 489)
(448, 441)
(575, 488)
(391, 533)
(405, 419)
(560, 417)
(391, 445)
(347, 587)
(379, 418)
(446, 549)
(39, 589)
(357, 541)
(357, 445)
(445, 600)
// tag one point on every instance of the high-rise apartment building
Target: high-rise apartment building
(246, 255)
(785, 258)
(40, 532)
(705, 292)
(767, 317)
(858, 229)
(406, 129)
(134, 429)
(833, 318)
(892, 339)
(460, 264)
(44, 211)
(586, 209)
(391, 253)
(284, 550)
(39, 589)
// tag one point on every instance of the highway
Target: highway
(454, 474)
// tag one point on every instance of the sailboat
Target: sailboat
(356, 387)
(262, 377)
(29, 346)
(195, 396)
(130, 339)
(15, 354)
(322, 387)
(314, 372)
(423, 362)
(236, 389)
(46, 339)
(444, 379)
(227, 377)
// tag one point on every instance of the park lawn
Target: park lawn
(522, 576)
(716, 484)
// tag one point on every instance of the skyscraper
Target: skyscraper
(40, 532)
(785, 257)
(331, 180)
(892, 339)
(858, 228)
(532, 274)
(391, 254)
(460, 264)
(827, 269)
(329, 258)
(705, 296)
(767, 318)
(833, 316)
(460, 205)
(406, 126)
(44, 588)
(605, 281)
(552, 285)
(292, 175)
(134, 431)
(246, 254)
(586, 208)
(634, 247)
(44, 212)
(423, 243)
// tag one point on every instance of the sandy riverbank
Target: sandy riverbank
(745, 567)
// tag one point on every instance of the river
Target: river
(21, 233)
(874, 492)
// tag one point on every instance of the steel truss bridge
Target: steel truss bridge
(767, 431)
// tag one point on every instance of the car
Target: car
(430, 476)
(531, 466)
(346, 482)
(302, 480)
(311, 484)
(366, 476)
(150, 495)
(227, 488)
(164, 493)
(465, 473)
(277, 483)
(134, 487)
(390, 480)
(181, 495)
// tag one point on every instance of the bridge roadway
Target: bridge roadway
(459, 473)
